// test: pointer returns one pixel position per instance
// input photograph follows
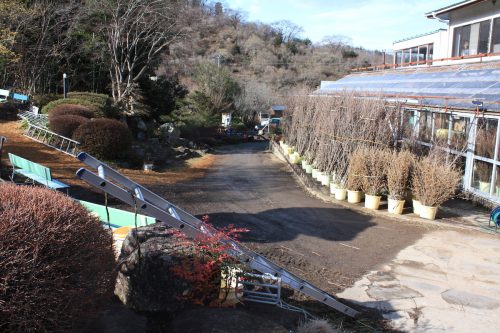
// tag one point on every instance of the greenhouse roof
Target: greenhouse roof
(458, 86)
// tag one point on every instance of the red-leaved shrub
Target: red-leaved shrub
(56, 261)
(104, 138)
(70, 109)
(66, 125)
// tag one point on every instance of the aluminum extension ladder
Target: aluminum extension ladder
(53, 140)
(126, 190)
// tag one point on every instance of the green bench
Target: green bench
(117, 218)
(34, 171)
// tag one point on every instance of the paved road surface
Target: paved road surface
(329, 245)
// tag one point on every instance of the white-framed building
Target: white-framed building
(470, 33)
(448, 82)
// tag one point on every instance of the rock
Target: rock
(146, 283)
(142, 125)
(169, 133)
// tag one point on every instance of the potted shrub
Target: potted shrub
(340, 188)
(374, 175)
(354, 176)
(398, 180)
(435, 180)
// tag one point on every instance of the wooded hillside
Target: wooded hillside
(202, 55)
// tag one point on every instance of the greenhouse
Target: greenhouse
(453, 107)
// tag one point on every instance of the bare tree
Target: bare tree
(287, 29)
(137, 33)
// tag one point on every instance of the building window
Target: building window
(471, 39)
(419, 55)
(495, 42)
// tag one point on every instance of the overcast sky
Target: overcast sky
(373, 24)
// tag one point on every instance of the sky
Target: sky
(372, 24)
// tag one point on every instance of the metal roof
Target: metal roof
(449, 8)
(446, 86)
(417, 36)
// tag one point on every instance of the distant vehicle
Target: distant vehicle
(4, 94)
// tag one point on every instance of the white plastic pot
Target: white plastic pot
(325, 181)
(354, 196)
(395, 206)
(304, 164)
(341, 194)
(319, 176)
(333, 187)
(314, 173)
(428, 212)
(416, 206)
(372, 201)
(309, 169)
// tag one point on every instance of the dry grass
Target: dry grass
(63, 166)
(398, 170)
(317, 326)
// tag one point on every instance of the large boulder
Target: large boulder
(169, 133)
(145, 281)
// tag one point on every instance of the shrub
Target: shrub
(100, 104)
(356, 171)
(70, 109)
(56, 261)
(8, 111)
(398, 172)
(91, 106)
(66, 125)
(104, 138)
(44, 99)
(374, 177)
(434, 180)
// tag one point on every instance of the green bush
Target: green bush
(44, 99)
(67, 124)
(102, 105)
(104, 138)
(70, 110)
(92, 106)
(56, 261)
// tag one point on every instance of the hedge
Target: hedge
(71, 109)
(104, 138)
(101, 104)
(56, 261)
(67, 124)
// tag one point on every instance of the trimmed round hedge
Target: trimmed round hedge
(66, 125)
(104, 138)
(71, 109)
(56, 261)
(100, 104)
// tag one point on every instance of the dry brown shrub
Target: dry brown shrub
(56, 261)
(70, 109)
(317, 326)
(357, 165)
(398, 170)
(435, 179)
(327, 130)
(374, 178)
(66, 125)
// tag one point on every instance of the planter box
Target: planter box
(340, 194)
(416, 206)
(427, 212)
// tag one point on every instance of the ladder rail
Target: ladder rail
(149, 196)
(243, 254)
(34, 132)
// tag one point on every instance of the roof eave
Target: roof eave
(439, 12)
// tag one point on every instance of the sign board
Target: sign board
(20, 97)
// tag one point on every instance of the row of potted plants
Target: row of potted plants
(373, 172)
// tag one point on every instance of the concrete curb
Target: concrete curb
(313, 188)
